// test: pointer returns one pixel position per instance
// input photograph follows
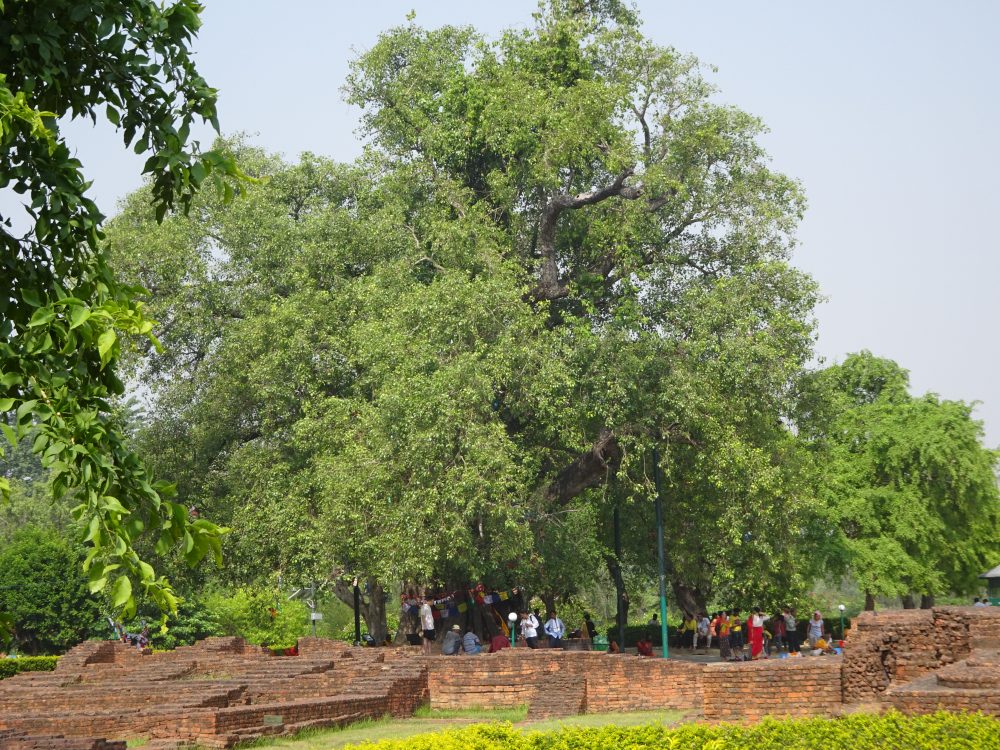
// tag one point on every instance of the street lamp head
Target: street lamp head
(841, 607)
(512, 616)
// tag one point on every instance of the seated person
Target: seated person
(613, 648)
(452, 642)
(471, 643)
(644, 647)
(499, 642)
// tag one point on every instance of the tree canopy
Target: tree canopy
(450, 359)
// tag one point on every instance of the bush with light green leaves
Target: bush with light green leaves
(940, 731)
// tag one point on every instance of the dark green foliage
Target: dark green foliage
(192, 622)
(633, 633)
(11, 667)
(43, 589)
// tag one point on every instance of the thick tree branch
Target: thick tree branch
(589, 469)
(550, 285)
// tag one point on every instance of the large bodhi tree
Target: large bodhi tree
(448, 360)
(61, 308)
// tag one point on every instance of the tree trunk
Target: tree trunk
(549, 601)
(926, 601)
(908, 602)
(690, 599)
(869, 602)
(408, 625)
(372, 604)
(621, 598)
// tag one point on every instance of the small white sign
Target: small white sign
(315, 615)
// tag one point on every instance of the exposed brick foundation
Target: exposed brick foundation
(221, 691)
(216, 693)
(802, 686)
(561, 683)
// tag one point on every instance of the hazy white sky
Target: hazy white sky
(888, 112)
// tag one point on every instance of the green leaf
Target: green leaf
(6, 404)
(42, 316)
(78, 316)
(121, 592)
(104, 343)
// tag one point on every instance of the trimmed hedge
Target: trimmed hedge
(11, 667)
(940, 731)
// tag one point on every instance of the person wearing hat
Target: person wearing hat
(452, 642)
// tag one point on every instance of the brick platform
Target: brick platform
(221, 691)
(217, 693)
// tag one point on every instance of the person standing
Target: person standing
(723, 627)
(555, 629)
(529, 629)
(702, 632)
(779, 629)
(736, 636)
(755, 624)
(690, 628)
(815, 629)
(791, 630)
(427, 625)
(588, 622)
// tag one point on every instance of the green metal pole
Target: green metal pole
(619, 590)
(659, 549)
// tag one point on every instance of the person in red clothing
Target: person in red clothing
(498, 643)
(644, 647)
(755, 626)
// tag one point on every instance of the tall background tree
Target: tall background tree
(911, 490)
(449, 360)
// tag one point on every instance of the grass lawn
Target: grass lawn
(426, 720)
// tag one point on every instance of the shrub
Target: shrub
(44, 590)
(940, 731)
(11, 667)
(261, 616)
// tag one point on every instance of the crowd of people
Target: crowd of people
(757, 636)
(533, 633)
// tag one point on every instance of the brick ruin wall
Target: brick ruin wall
(222, 691)
(560, 683)
(899, 646)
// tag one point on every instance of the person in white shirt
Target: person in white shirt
(427, 624)
(529, 629)
(555, 630)
(702, 632)
(977, 603)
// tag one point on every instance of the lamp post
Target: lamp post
(659, 549)
(512, 619)
(841, 608)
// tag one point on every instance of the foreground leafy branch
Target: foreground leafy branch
(62, 311)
